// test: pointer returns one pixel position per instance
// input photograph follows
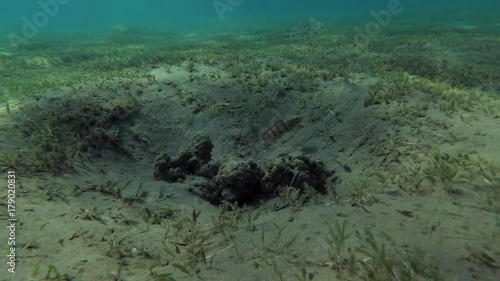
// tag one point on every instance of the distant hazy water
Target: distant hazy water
(97, 15)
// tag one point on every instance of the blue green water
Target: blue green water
(93, 15)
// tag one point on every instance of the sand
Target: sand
(417, 176)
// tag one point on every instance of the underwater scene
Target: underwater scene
(250, 140)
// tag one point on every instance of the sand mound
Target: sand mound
(306, 28)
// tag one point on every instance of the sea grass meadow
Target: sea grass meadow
(250, 140)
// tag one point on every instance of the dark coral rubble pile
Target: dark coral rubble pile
(194, 160)
(239, 180)
(296, 170)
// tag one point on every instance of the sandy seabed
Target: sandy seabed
(408, 123)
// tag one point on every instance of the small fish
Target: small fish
(281, 128)
(217, 109)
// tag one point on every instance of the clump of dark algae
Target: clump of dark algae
(239, 180)
(194, 160)
(296, 170)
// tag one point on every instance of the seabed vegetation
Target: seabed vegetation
(408, 120)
